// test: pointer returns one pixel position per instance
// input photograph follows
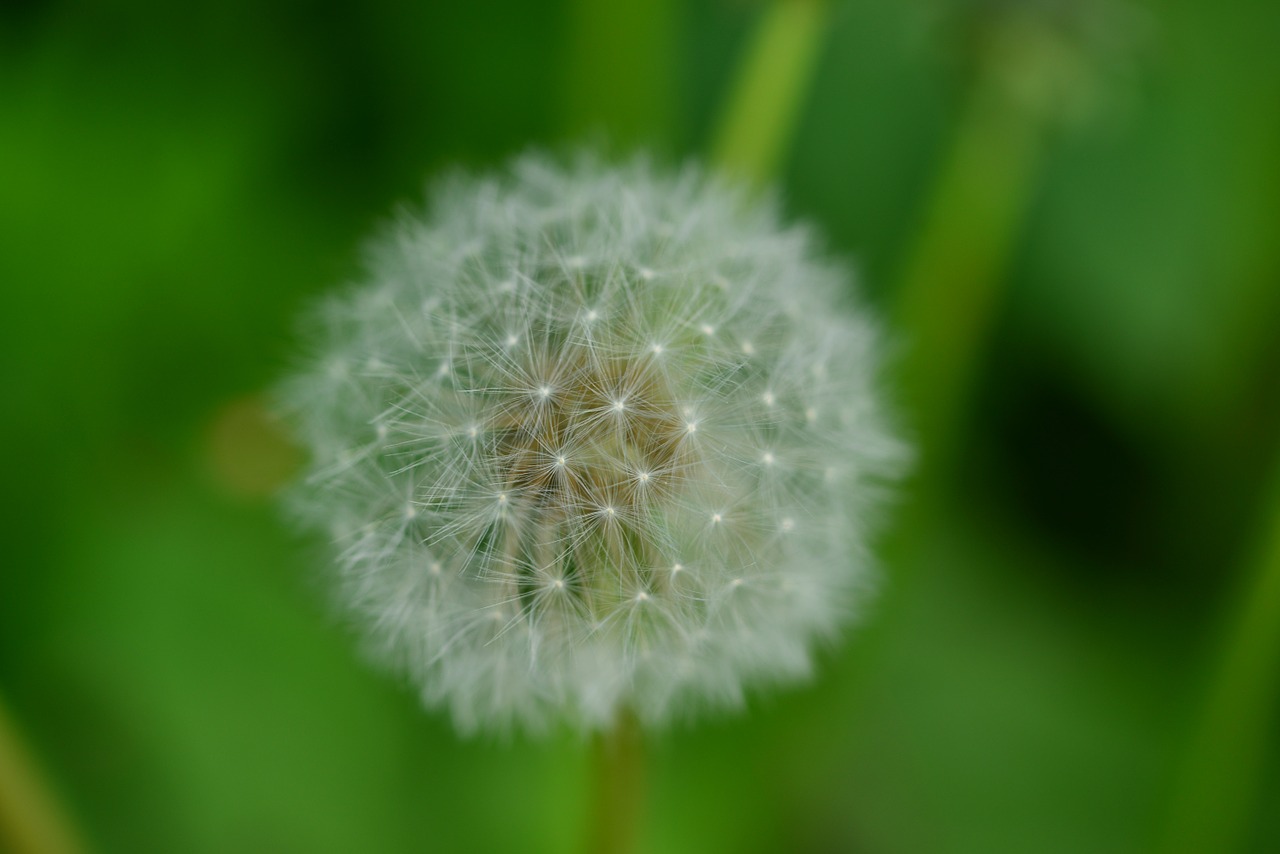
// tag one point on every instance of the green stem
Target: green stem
(757, 125)
(618, 788)
(30, 820)
(1217, 790)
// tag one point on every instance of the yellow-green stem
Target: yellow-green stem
(759, 120)
(30, 820)
(1217, 789)
(617, 795)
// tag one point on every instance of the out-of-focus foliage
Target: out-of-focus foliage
(178, 180)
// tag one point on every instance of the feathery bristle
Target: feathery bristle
(591, 438)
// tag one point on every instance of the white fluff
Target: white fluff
(591, 438)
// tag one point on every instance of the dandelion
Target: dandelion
(592, 440)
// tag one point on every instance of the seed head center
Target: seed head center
(616, 419)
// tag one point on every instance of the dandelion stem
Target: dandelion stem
(757, 124)
(1217, 790)
(30, 819)
(753, 133)
(618, 787)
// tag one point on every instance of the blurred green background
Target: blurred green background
(1068, 211)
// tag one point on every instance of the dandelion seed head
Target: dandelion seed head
(547, 523)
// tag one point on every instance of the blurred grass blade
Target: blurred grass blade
(30, 820)
(759, 119)
(1217, 791)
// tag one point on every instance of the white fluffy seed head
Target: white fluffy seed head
(595, 521)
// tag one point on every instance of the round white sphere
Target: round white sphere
(591, 439)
